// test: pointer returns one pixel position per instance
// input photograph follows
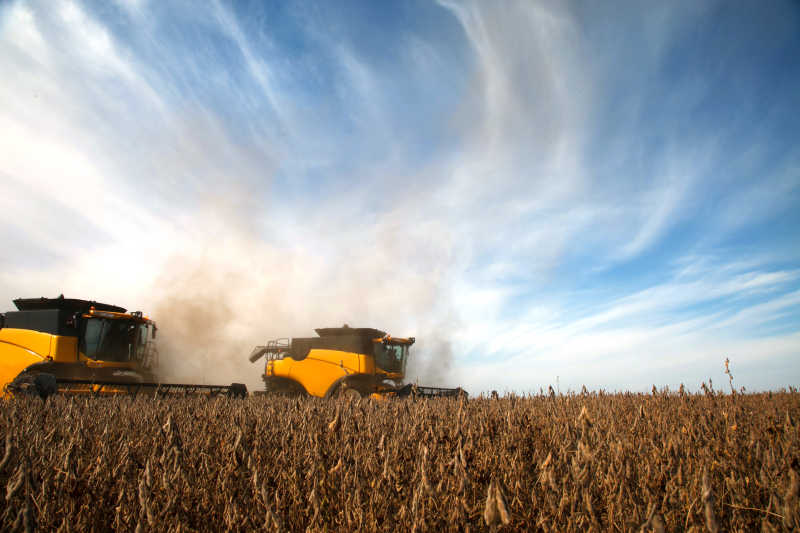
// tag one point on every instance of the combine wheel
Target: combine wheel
(284, 387)
(350, 394)
(45, 385)
(41, 384)
(346, 392)
(238, 390)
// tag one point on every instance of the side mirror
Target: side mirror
(154, 331)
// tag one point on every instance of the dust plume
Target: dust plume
(197, 326)
(228, 290)
(432, 359)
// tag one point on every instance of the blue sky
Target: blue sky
(540, 192)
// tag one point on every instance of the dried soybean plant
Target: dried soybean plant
(548, 462)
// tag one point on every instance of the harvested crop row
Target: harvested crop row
(552, 463)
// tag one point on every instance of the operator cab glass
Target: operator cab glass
(107, 339)
(391, 357)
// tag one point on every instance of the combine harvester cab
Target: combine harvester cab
(69, 345)
(341, 361)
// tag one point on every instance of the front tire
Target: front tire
(42, 384)
(284, 387)
(350, 395)
(45, 385)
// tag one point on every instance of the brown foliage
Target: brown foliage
(600, 462)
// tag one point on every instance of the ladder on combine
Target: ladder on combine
(274, 349)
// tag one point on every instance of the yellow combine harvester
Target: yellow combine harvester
(341, 361)
(68, 345)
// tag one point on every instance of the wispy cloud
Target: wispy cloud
(536, 189)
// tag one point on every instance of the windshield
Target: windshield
(391, 357)
(113, 340)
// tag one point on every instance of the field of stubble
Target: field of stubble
(663, 462)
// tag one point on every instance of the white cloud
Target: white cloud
(21, 32)
(134, 7)
(267, 221)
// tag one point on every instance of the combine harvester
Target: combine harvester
(70, 346)
(346, 361)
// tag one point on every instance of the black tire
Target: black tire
(45, 385)
(345, 390)
(406, 390)
(238, 390)
(349, 394)
(283, 387)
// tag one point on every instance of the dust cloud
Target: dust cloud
(197, 326)
(228, 290)
(432, 356)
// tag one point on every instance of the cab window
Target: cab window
(109, 340)
(391, 357)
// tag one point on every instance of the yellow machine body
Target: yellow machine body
(340, 359)
(53, 335)
(320, 369)
(21, 348)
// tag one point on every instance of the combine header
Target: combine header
(342, 361)
(431, 392)
(94, 387)
(70, 346)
